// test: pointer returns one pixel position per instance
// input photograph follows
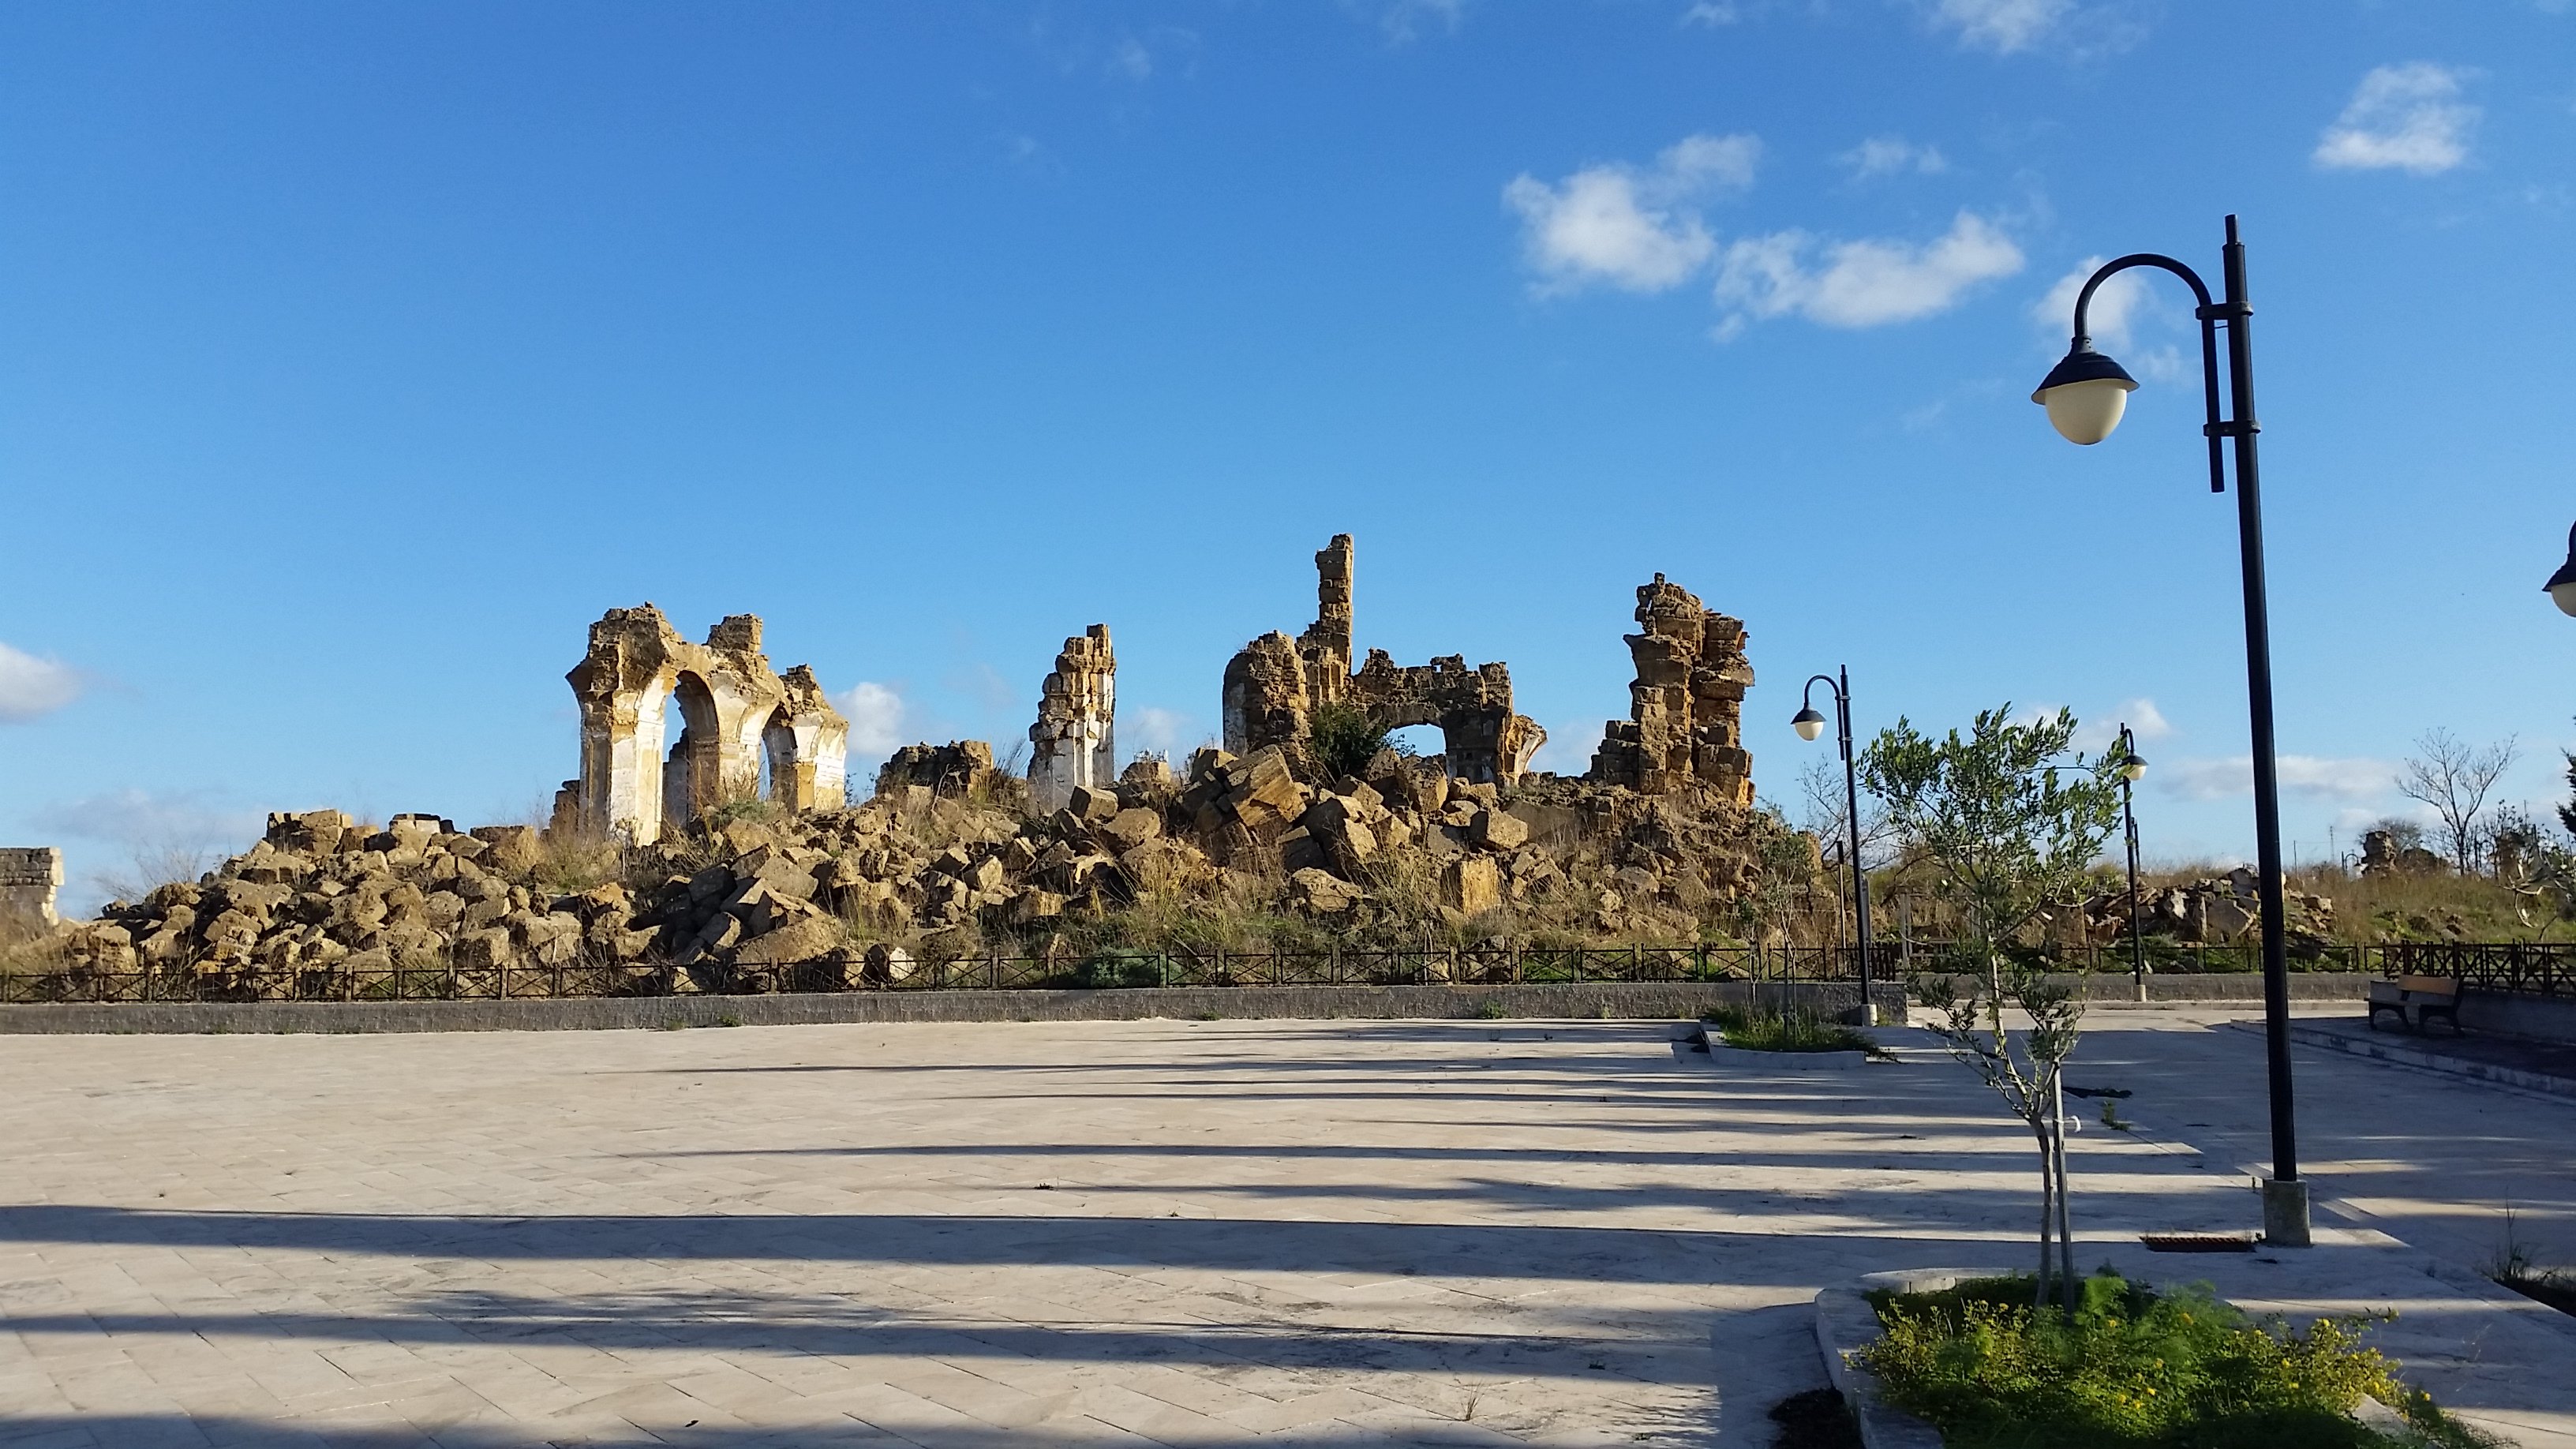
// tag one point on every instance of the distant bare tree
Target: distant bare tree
(1820, 784)
(2455, 779)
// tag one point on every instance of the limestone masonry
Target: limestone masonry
(29, 877)
(1074, 744)
(1686, 707)
(1276, 683)
(726, 854)
(738, 722)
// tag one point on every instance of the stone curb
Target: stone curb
(1846, 1324)
(2400, 1054)
(1609, 1001)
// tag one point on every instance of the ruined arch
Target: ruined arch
(670, 728)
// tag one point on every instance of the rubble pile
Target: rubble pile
(946, 862)
(2221, 910)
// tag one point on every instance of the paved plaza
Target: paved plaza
(1174, 1233)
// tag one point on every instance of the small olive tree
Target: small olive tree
(2004, 829)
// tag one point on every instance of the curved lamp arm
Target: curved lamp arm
(2209, 313)
(1842, 707)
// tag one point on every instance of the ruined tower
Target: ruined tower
(1685, 720)
(1275, 684)
(1074, 742)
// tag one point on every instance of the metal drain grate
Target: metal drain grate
(2198, 1242)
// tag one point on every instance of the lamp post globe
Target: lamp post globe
(2085, 394)
(2132, 767)
(2562, 584)
(1808, 723)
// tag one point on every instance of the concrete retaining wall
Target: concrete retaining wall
(2513, 1013)
(1645, 1001)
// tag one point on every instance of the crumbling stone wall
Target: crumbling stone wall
(29, 877)
(1276, 683)
(735, 716)
(1685, 722)
(1074, 744)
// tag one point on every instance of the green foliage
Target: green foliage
(1345, 740)
(2004, 827)
(2129, 1369)
(2004, 830)
(1792, 1030)
(1110, 970)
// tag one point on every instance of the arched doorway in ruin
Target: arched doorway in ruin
(778, 760)
(692, 775)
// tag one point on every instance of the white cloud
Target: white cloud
(2355, 779)
(1132, 60)
(1888, 155)
(162, 837)
(876, 715)
(2099, 732)
(2002, 26)
(2116, 303)
(30, 686)
(1167, 731)
(2402, 118)
(1713, 13)
(1628, 227)
(1862, 283)
(1405, 20)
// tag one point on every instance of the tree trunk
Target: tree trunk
(2047, 1217)
(2065, 1224)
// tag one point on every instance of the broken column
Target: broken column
(738, 720)
(1686, 705)
(29, 877)
(1073, 745)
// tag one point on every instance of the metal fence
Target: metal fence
(2541, 968)
(2499, 967)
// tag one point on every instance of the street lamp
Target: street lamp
(1809, 725)
(2085, 394)
(2562, 584)
(2130, 767)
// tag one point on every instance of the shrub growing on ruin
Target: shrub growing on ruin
(1344, 740)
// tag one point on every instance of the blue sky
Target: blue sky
(356, 356)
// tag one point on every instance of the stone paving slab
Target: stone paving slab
(1175, 1233)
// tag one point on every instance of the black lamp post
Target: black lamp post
(1810, 724)
(2085, 394)
(2562, 584)
(2130, 768)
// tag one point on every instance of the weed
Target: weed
(728, 1019)
(2514, 1267)
(1794, 1030)
(1491, 1009)
(2112, 1119)
(676, 1024)
(2130, 1368)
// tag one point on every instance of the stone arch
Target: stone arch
(693, 771)
(778, 758)
(636, 774)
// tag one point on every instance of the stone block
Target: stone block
(1471, 884)
(800, 940)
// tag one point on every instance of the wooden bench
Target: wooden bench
(2416, 1000)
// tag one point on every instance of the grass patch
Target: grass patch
(1767, 1030)
(2132, 1369)
(2514, 1267)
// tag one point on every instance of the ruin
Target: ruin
(1685, 722)
(1074, 744)
(1275, 684)
(29, 877)
(745, 730)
